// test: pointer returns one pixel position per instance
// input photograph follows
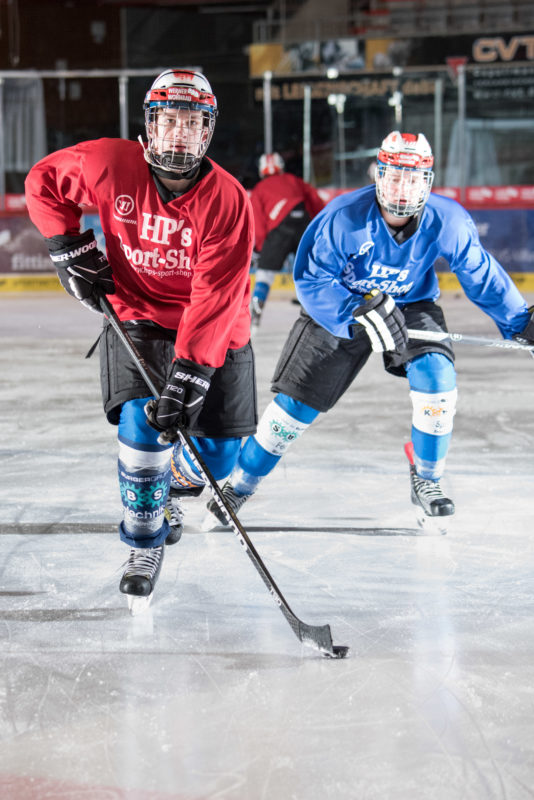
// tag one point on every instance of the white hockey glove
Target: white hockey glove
(527, 334)
(83, 269)
(181, 400)
(384, 323)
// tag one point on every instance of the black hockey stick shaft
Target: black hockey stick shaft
(318, 635)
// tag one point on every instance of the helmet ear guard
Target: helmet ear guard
(404, 173)
(185, 92)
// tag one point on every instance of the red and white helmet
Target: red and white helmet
(404, 173)
(271, 164)
(187, 94)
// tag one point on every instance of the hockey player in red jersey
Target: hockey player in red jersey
(179, 234)
(283, 205)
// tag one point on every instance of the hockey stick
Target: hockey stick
(319, 636)
(438, 336)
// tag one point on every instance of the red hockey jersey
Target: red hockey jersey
(183, 264)
(275, 196)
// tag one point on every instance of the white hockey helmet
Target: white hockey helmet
(404, 173)
(270, 164)
(188, 95)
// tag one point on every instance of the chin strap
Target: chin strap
(144, 148)
(163, 172)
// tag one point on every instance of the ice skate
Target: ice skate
(256, 310)
(431, 505)
(215, 518)
(140, 576)
(174, 514)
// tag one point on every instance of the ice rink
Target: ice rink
(210, 696)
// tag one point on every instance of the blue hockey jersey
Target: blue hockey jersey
(347, 250)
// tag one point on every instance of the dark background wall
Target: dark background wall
(68, 34)
(217, 43)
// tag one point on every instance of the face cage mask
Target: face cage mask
(402, 191)
(181, 154)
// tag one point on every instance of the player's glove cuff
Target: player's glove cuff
(384, 323)
(182, 398)
(83, 270)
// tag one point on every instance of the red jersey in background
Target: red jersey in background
(275, 196)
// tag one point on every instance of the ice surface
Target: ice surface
(210, 694)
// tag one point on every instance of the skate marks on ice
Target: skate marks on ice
(319, 529)
(57, 528)
(435, 702)
(78, 528)
(44, 615)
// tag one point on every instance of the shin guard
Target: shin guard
(433, 394)
(144, 479)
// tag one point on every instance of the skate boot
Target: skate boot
(174, 514)
(256, 310)
(140, 576)
(431, 505)
(174, 511)
(215, 518)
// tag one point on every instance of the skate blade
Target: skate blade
(432, 526)
(138, 605)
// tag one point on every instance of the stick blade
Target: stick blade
(320, 637)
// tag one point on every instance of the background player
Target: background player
(364, 273)
(179, 235)
(283, 205)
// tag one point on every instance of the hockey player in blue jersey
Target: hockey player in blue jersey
(364, 274)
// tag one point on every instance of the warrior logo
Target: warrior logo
(124, 205)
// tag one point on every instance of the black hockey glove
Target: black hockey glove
(181, 400)
(83, 269)
(384, 323)
(527, 334)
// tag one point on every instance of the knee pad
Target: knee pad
(282, 422)
(278, 429)
(434, 412)
(433, 393)
(266, 276)
(262, 286)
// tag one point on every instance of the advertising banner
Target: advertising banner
(376, 53)
(504, 216)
